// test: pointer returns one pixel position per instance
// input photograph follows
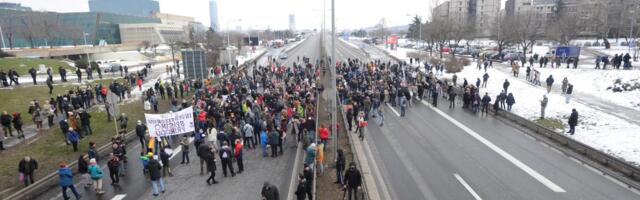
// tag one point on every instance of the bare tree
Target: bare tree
(74, 32)
(525, 31)
(458, 30)
(213, 44)
(31, 27)
(380, 30)
(502, 31)
(563, 29)
(439, 33)
(9, 29)
(50, 26)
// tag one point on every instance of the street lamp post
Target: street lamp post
(334, 97)
(2, 38)
(84, 35)
(228, 40)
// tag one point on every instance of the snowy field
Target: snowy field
(599, 130)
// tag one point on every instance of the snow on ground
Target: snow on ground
(596, 129)
(596, 82)
(250, 55)
(614, 50)
(602, 131)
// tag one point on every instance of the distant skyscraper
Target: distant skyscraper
(292, 22)
(13, 6)
(126, 7)
(213, 15)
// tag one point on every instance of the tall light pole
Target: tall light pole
(334, 98)
(228, 40)
(2, 38)
(84, 35)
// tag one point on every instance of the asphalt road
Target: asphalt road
(442, 153)
(187, 183)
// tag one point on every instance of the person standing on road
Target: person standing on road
(211, 165)
(273, 142)
(203, 152)
(543, 105)
(164, 158)
(114, 165)
(263, 142)
(247, 134)
(85, 121)
(5, 120)
(141, 130)
(225, 158)
(340, 165)
(353, 181)
(301, 190)
(154, 174)
(320, 158)
(573, 121)
(185, 149)
(311, 155)
(32, 72)
(403, 105)
(83, 170)
(549, 83)
(79, 75)
(17, 124)
(96, 176)
(237, 153)
(27, 167)
(66, 181)
(269, 192)
(323, 133)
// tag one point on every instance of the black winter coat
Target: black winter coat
(573, 119)
(353, 178)
(154, 169)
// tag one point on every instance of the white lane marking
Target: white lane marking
(374, 165)
(119, 197)
(533, 173)
(468, 187)
(393, 109)
(178, 149)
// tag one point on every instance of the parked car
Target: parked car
(283, 56)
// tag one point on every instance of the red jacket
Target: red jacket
(324, 133)
(237, 149)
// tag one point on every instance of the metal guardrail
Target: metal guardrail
(365, 187)
(51, 180)
(627, 173)
(618, 168)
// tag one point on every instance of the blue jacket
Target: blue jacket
(66, 177)
(263, 138)
(73, 136)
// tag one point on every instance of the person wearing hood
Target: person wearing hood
(66, 181)
(96, 175)
(141, 130)
(353, 180)
(311, 155)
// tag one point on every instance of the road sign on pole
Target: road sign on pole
(112, 101)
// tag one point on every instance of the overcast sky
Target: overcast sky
(262, 14)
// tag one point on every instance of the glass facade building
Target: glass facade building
(65, 29)
(143, 8)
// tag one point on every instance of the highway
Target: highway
(187, 183)
(442, 153)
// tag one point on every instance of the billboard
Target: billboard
(195, 64)
(392, 39)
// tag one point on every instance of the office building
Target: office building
(441, 12)
(143, 8)
(213, 15)
(152, 32)
(69, 28)
(292, 22)
(13, 7)
(514, 7)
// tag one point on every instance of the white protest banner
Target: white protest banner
(168, 124)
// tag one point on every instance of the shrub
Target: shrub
(453, 65)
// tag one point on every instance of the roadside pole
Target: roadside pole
(333, 79)
(112, 100)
